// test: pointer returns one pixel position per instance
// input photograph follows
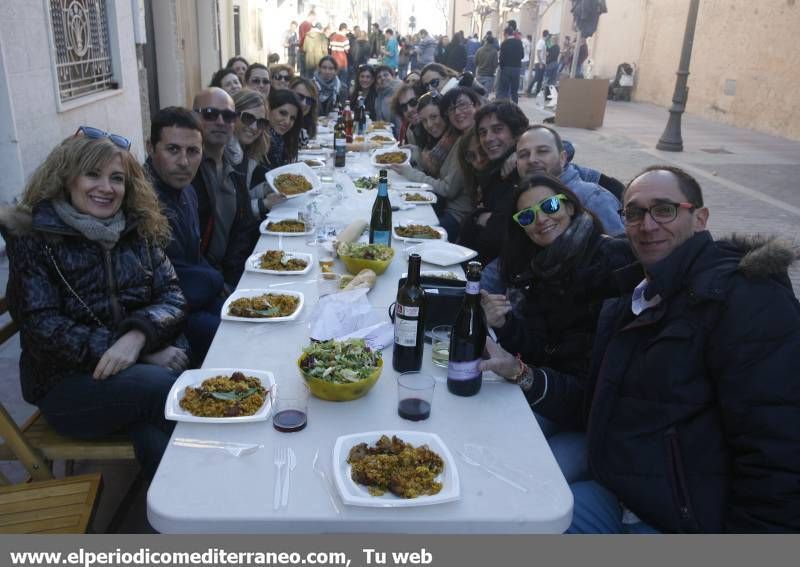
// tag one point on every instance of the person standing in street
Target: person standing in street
(340, 50)
(391, 51)
(511, 54)
(290, 42)
(426, 48)
(539, 64)
(305, 27)
(486, 64)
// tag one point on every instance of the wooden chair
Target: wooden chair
(50, 506)
(36, 444)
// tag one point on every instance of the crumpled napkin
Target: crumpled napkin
(340, 314)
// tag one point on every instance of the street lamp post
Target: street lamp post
(671, 140)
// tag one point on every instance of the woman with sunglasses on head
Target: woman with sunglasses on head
(330, 88)
(434, 77)
(227, 80)
(98, 304)
(285, 123)
(364, 87)
(280, 75)
(437, 165)
(248, 150)
(257, 78)
(306, 92)
(558, 260)
(404, 105)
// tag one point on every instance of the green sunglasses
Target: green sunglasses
(549, 206)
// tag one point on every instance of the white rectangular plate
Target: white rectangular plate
(429, 196)
(263, 228)
(299, 168)
(438, 229)
(174, 411)
(354, 494)
(240, 293)
(376, 153)
(383, 134)
(442, 253)
(253, 262)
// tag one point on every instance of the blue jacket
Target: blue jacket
(601, 202)
(199, 281)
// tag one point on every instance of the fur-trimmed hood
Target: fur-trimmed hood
(764, 256)
(15, 221)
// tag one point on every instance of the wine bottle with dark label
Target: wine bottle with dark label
(339, 143)
(380, 223)
(362, 117)
(409, 320)
(468, 339)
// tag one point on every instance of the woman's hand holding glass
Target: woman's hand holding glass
(121, 355)
(496, 307)
(170, 357)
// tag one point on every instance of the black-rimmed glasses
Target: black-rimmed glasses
(432, 83)
(306, 100)
(662, 213)
(250, 119)
(258, 81)
(210, 114)
(97, 133)
(410, 103)
(281, 77)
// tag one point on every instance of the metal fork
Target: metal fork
(281, 458)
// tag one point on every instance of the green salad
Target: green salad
(365, 251)
(340, 362)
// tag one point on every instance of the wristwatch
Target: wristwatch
(525, 380)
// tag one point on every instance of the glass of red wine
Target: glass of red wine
(291, 411)
(414, 395)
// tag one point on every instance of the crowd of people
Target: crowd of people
(657, 359)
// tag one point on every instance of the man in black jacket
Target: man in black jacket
(511, 55)
(693, 394)
(175, 149)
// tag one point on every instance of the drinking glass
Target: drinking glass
(441, 345)
(414, 395)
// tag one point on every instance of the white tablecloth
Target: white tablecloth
(202, 490)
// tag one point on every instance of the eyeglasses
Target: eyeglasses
(306, 100)
(248, 120)
(410, 103)
(432, 83)
(210, 114)
(462, 106)
(96, 133)
(280, 77)
(662, 213)
(549, 206)
(258, 81)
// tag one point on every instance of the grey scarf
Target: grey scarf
(566, 251)
(104, 231)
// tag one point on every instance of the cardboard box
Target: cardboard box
(581, 102)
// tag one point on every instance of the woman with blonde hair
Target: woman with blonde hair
(281, 75)
(247, 151)
(97, 301)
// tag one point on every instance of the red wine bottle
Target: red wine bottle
(468, 339)
(409, 321)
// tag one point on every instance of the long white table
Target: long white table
(201, 490)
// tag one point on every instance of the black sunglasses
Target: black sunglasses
(432, 83)
(281, 77)
(96, 133)
(411, 103)
(248, 119)
(258, 81)
(306, 100)
(210, 114)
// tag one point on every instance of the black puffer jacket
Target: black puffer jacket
(695, 420)
(556, 325)
(131, 287)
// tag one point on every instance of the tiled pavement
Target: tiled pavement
(750, 183)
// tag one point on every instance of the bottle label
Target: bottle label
(405, 331)
(464, 370)
(406, 310)
(340, 143)
(382, 237)
(473, 288)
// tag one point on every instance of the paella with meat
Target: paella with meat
(225, 396)
(292, 184)
(280, 261)
(264, 306)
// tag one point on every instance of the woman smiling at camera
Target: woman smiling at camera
(438, 161)
(285, 123)
(97, 301)
(330, 88)
(560, 262)
(306, 92)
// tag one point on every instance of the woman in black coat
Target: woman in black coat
(98, 303)
(559, 262)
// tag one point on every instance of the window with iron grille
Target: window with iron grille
(81, 45)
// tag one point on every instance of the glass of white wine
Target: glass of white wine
(441, 345)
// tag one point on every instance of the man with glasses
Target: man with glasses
(222, 199)
(175, 150)
(694, 418)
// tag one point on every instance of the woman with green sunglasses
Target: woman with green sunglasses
(559, 264)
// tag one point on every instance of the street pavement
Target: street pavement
(749, 181)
